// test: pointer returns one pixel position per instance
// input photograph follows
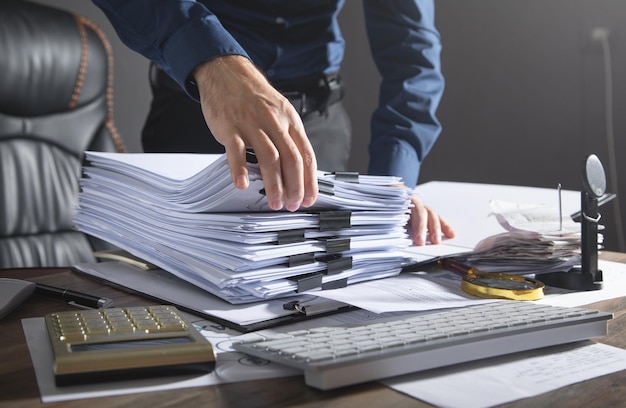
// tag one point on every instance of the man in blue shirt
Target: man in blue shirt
(244, 60)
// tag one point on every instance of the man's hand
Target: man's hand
(242, 109)
(425, 222)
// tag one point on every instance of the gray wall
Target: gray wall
(524, 101)
(525, 97)
(525, 94)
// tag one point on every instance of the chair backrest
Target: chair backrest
(55, 103)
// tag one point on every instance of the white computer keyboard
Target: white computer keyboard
(333, 357)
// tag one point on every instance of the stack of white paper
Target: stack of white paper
(538, 240)
(182, 213)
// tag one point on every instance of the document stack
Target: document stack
(538, 239)
(182, 213)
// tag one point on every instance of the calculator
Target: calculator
(112, 344)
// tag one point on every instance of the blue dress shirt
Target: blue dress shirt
(290, 39)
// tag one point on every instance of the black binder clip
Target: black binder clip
(290, 236)
(336, 284)
(347, 176)
(291, 305)
(336, 244)
(325, 187)
(307, 281)
(251, 157)
(337, 263)
(300, 259)
(587, 276)
(334, 220)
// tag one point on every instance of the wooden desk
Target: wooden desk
(18, 386)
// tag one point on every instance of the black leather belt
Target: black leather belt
(314, 94)
(307, 95)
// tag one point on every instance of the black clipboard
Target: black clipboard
(163, 287)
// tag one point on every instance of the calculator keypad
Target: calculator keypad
(80, 325)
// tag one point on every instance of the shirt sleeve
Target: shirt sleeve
(177, 35)
(406, 48)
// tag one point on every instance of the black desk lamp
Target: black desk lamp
(587, 276)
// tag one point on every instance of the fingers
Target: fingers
(236, 155)
(243, 110)
(434, 228)
(281, 188)
(289, 180)
(446, 229)
(309, 166)
(286, 183)
(418, 223)
(288, 164)
(425, 223)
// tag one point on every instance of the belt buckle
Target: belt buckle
(298, 100)
(328, 90)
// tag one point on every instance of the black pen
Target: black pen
(72, 297)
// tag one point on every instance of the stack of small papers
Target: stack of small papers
(182, 213)
(538, 240)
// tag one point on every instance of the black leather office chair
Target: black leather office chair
(55, 103)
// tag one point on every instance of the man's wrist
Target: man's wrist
(217, 69)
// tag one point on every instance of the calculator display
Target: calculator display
(105, 344)
(128, 344)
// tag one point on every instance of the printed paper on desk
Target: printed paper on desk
(436, 290)
(407, 292)
(489, 383)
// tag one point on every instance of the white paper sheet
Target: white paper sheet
(492, 382)
(406, 292)
(417, 291)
